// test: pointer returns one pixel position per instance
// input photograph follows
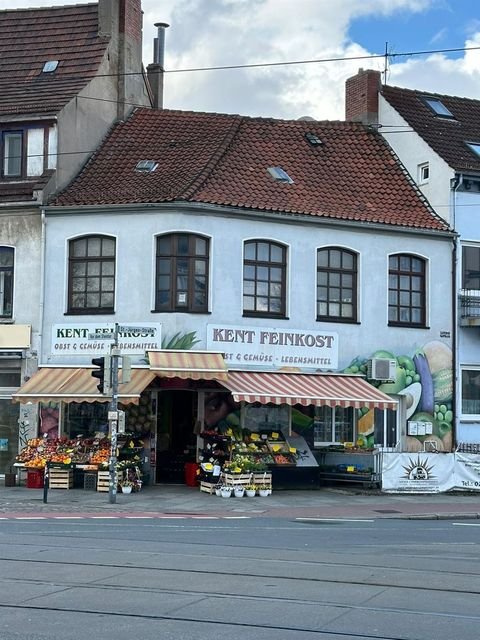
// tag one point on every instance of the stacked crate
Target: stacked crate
(103, 481)
(60, 478)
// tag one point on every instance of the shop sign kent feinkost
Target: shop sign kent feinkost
(76, 339)
(274, 348)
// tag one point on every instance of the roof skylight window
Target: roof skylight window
(279, 174)
(437, 107)
(313, 139)
(475, 147)
(146, 166)
(50, 66)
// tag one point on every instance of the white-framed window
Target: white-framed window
(470, 392)
(27, 150)
(423, 173)
(471, 267)
(333, 425)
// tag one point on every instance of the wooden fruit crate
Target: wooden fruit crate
(263, 479)
(207, 487)
(235, 479)
(103, 481)
(60, 479)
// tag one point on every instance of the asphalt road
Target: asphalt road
(69, 577)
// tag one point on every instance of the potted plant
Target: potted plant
(226, 492)
(126, 486)
(239, 491)
(251, 490)
(264, 490)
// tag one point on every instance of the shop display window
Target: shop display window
(262, 417)
(8, 433)
(333, 425)
(85, 419)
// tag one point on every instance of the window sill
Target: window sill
(408, 325)
(337, 320)
(207, 313)
(265, 315)
(91, 312)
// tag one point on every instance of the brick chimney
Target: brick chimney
(361, 97)
(122, 22)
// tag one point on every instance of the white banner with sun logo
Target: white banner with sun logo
(467, 471)
(418, 472)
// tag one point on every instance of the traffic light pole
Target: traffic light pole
(113, 419)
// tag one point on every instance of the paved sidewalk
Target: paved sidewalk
(180, 500)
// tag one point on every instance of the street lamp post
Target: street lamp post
(113, 419)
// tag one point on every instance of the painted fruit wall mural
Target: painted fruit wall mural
(426, 380)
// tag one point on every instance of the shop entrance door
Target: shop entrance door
(176, 441)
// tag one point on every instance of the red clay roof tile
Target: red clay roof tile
(31, 37)
(223, 159)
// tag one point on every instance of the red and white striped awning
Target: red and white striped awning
(71, 384)
(306, 389)
(188, 365)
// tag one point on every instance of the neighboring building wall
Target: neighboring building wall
(23, 232)
(467, 211)
(413, 151)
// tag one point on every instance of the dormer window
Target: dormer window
(438, 108)
(27, 151)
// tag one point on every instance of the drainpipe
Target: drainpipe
(42, 285)
(455, 184)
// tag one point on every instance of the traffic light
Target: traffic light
(103, 373)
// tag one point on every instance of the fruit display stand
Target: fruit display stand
(70, 461)
(340, 464)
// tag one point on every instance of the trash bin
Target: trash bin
(10, 479)
(191, 474)
(35, 478)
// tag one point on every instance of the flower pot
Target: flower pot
(250, 493)
(126, 489)
(226, 492)
(263, 492)
(239, 493)
(218, 492)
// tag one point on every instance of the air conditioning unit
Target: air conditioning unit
(382, 369)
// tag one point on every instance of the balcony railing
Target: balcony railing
(470, 307)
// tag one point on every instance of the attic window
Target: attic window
(50, 66)
(279, 174)
(475, 147)
(437, 107)
(313, 139)
(146, 166)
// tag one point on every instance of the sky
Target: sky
(209, 33)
